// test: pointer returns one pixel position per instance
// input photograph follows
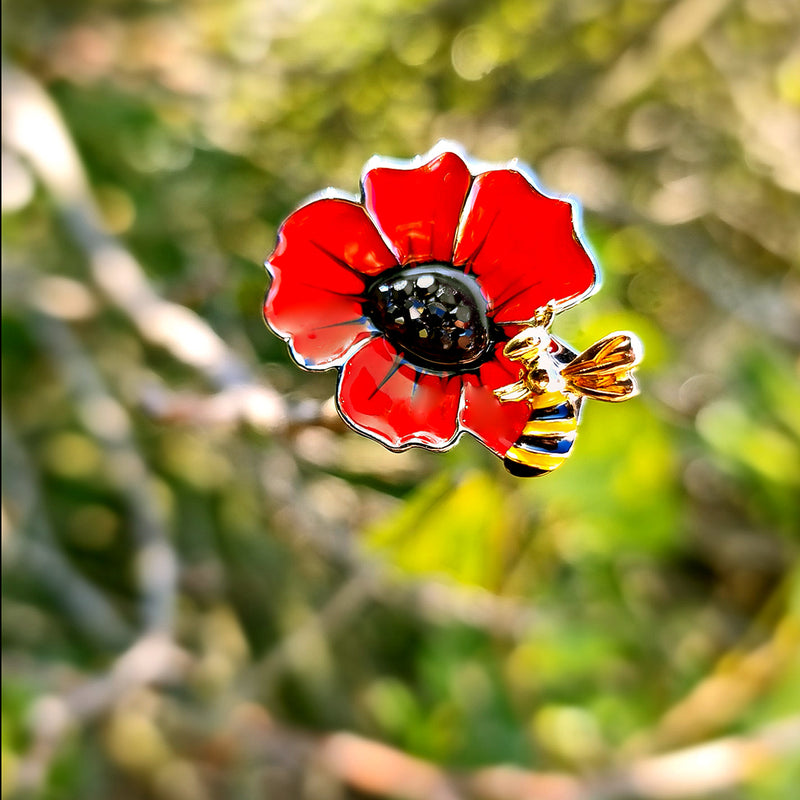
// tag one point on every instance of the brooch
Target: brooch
(433, 295)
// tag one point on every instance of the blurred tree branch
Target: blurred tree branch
(637, 68)
(246, 404)
(152, 654)
(151, 660)
(33, 128)
(29, 543)
(385, 771)
(737, 679)
(108, 421)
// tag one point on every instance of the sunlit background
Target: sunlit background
(212, 589)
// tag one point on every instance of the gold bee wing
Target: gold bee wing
(603, 371)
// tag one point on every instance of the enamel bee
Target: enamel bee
(554, 386)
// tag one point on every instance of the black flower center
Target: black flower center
(434, 314)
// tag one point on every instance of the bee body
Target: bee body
(547, 438)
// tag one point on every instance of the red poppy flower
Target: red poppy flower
(413, 290)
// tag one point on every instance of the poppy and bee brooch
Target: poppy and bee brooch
(433, 295)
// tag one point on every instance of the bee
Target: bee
(554, 385)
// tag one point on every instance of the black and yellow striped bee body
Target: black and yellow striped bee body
(547, 438)
(554, 381)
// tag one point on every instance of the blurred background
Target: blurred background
(212, 589)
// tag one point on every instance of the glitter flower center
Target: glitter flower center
(434, 314)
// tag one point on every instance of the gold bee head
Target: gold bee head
(527, 345)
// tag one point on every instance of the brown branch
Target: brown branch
(769, 129)
(434, 601)
(152, 659)
(153, 656)
(709, 767)
(385, 771)
(108, 422)
(33, 128)
(725, 282)
(246, 404)
(29, 544)
(381, 770)
(682, 24)
(431, 600)
(720, 698)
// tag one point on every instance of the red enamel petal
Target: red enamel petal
(325, 255)
(320, 330)
(521, 246)
(383, 396)
(496, 425)
(418, 209)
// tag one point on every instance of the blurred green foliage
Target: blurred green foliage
(428, 601)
